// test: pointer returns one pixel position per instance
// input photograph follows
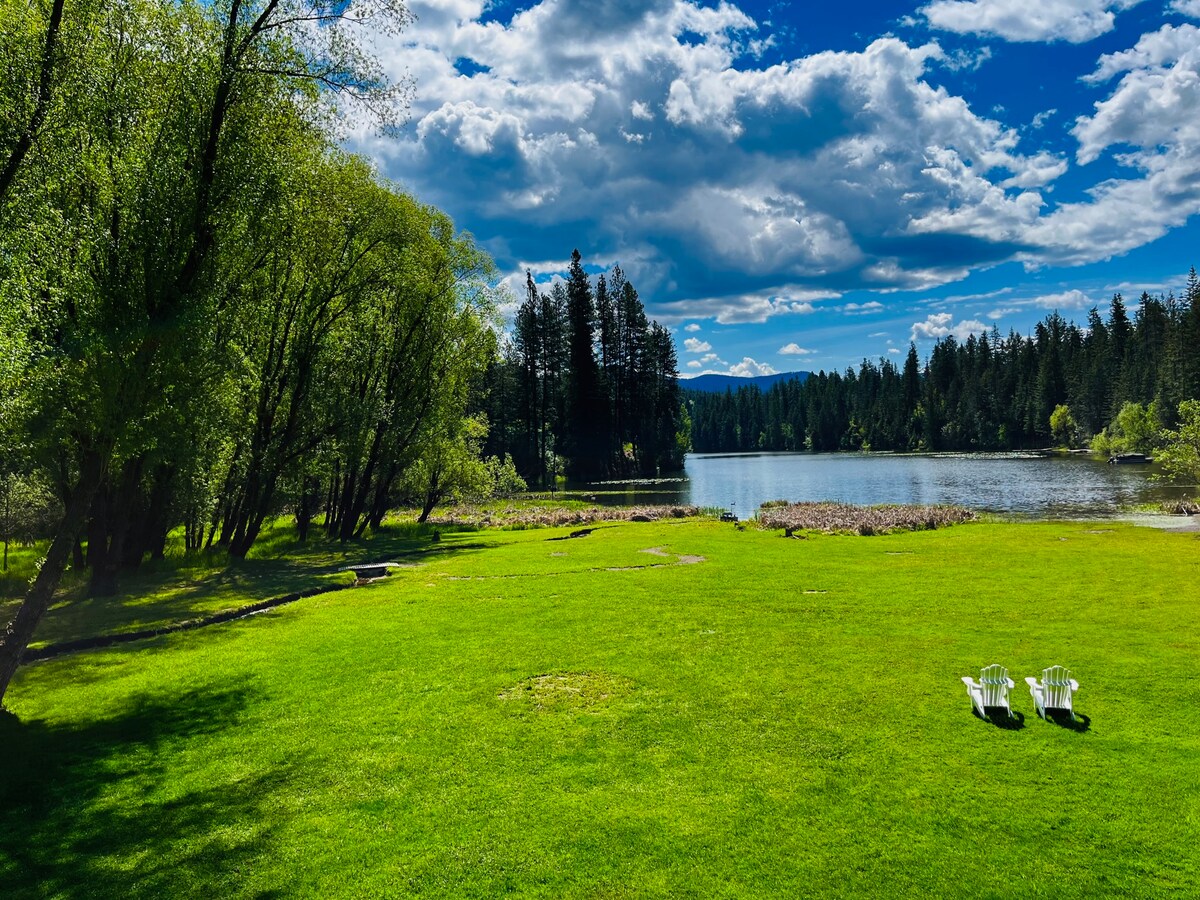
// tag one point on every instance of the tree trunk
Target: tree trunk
(432, 495)
(380, 504)
(118, 533)
(8, 172)
(310, 491)
(19, 633)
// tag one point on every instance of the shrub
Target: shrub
(1180, 455)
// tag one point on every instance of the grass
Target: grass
(184, 586)
(582, 718)
(187, 586)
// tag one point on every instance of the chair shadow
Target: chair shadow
(1062, 718)
(998, 716)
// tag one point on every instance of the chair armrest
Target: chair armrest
(970, 682)
(1011, 683)
(1031, 681)
(1074, 684)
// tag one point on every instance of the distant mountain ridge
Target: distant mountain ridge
(718, 384)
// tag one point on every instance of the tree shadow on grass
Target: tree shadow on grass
(179, 589)
(79, 816)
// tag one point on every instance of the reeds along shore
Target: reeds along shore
(842, 517)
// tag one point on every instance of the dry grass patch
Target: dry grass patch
(566, 691)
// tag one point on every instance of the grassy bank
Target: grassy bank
(732, 714)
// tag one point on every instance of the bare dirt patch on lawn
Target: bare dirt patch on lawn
(685, 559)
(566, 691)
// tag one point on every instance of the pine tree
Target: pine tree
(553, 380)
(587, 414)
(1190, 337)
(528, 345)
(912, 397)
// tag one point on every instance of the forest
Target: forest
(587, 386)
(1099, 383)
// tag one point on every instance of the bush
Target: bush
(29, 511)
(1136, 429)
(506, 481)
(1180, 454)
(1064, 427)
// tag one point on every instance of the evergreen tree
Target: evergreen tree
(528, 346)
(586, 425)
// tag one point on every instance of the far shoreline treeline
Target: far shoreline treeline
(1098, 383)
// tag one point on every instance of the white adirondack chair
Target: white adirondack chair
(1054, 691)
(991, 690)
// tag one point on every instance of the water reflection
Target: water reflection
(1022, 483)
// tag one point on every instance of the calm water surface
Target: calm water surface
(1056, 486)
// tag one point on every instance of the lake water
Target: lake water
(1045, 486)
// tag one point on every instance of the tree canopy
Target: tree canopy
(210, 313)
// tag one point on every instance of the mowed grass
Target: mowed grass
(185, 586)
(580, 718)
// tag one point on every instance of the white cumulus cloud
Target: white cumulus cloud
(1157, 48)
(1075, 21)
(794, 349)
(1150, 123)
(749, 368)
(940, 325)
(1072, 299)
(695, 345)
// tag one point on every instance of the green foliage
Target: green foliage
(1180, 451)
(1136, 429)
(449, 467)
(1064, 427)
(505, 480)
(29, 511)
(208, 312)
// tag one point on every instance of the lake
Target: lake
(1062, 486)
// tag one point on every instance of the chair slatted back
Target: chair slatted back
(994, 680)
(1056, 688)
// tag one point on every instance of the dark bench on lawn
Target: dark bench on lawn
(371, 571)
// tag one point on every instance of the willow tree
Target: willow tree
(131, 210)
(416, 350)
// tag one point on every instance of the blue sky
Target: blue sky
(802, 185)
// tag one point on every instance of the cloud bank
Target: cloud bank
(651, 132)
(1075, 21)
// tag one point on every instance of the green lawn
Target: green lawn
(580, 718)
(185, 586)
